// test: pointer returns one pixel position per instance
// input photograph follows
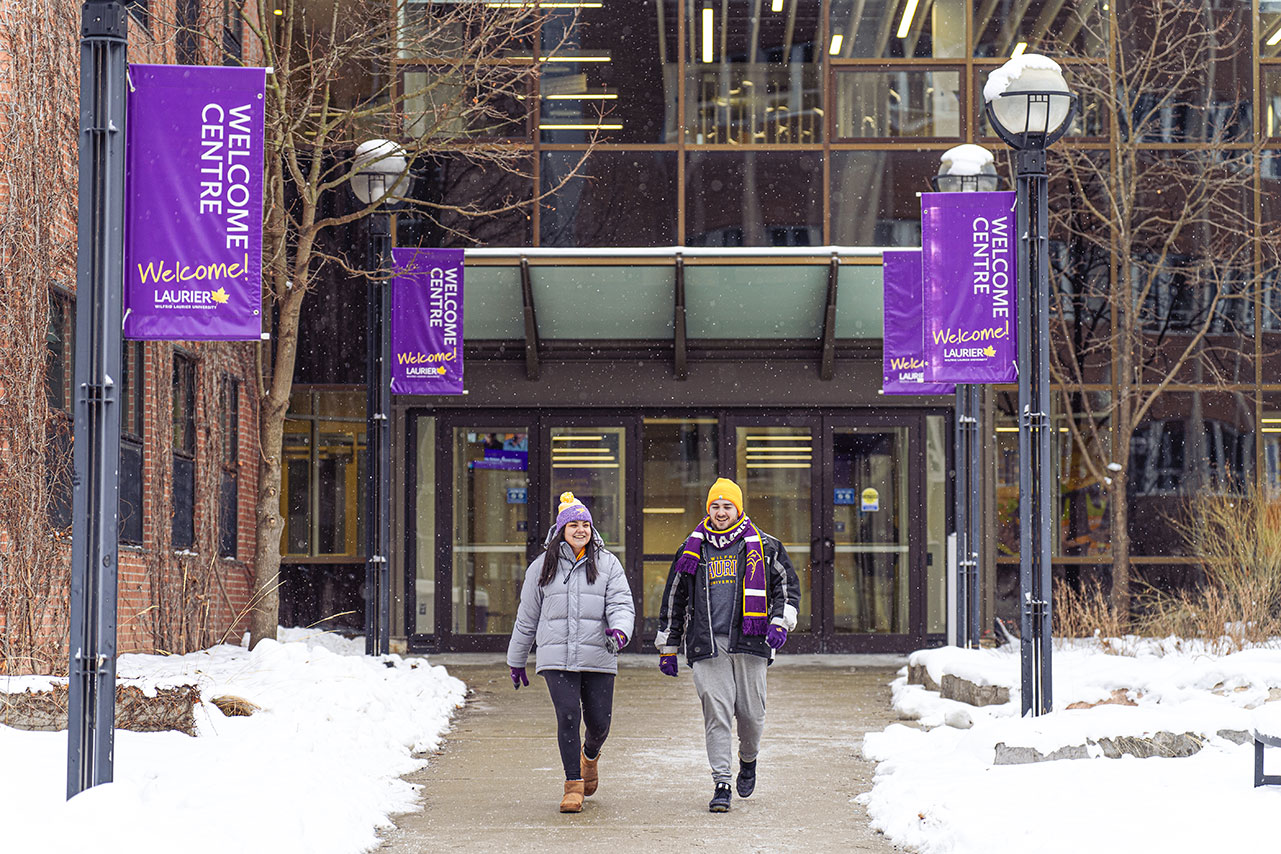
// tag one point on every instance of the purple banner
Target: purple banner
(427, 322)
(193, 203)
(971, 303)
(903, 356)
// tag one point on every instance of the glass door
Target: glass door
(870, 527)
(776, 463)
(878, 530)
(490, 521)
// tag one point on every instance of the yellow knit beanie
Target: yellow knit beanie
(725, 489)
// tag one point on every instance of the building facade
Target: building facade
(188, 444)
(693, 291)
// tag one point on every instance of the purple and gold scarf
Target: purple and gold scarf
(755, 612)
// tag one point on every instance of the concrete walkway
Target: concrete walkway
(496, 785)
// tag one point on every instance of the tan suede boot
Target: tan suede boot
(573, 800)
(591, 777)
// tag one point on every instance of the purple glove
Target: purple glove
(615, 640)
(519, 678)
(667, 664)
(775, 636)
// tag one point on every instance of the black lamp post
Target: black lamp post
(967, 169)
(1030, 107)
(379, 168)
(91, 702)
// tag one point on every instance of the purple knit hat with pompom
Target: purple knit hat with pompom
(571, 510)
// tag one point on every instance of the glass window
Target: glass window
(1270, 441)
(874, 201)
(60, 337)
(131, 442)
(753, 72)
(899, 103)
(188, 37)
(229, 487)
(431, 29)
(616, 199)
(610, 68)
(323, 477)
(480, 203)
(875, 29)
(485, 103)
(1194, 443)
(184, 452)
(754, 198)
(1202, 91)
(1270, 81)
(1002, 27)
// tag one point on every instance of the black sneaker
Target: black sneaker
(746, 778)
(720, 799)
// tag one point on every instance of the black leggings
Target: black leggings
(578, 696)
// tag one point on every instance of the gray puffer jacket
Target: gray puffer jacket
(569, 617)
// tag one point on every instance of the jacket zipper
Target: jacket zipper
(707, 597)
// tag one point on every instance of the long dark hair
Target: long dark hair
(551, 558)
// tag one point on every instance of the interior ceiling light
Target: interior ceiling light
(776, 6)
(909, 12)
(1018, 49)
(835, 47)
(580, 127)
(795, 437)
(707, 33)
(585, 96)
(774, 449)
(1275, 38)
(578, 437)
(577, 57)
(588, 466)
(780, 457)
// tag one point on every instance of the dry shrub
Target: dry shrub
(1238, 541)
(1085, 612)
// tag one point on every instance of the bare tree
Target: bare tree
(335, 82)
(37, 247)
(1163, 252)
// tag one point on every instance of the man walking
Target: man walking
(731, 596)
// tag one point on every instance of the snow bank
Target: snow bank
(937, 789)
(316, 770)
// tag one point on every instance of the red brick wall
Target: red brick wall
(214, 591)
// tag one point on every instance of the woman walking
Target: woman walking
(576, 605)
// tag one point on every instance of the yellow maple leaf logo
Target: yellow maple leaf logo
(989, 350)
(219, 296)
(441, 370)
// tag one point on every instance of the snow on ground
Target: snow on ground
(938, 790)
(316, 771)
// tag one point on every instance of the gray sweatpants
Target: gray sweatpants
(731, 686)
